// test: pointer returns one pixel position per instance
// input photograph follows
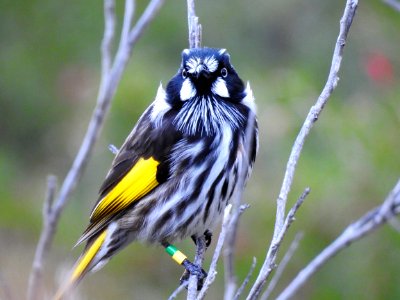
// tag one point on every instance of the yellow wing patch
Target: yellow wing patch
(139, 181)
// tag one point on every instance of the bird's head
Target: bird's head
(205, 72)
(204, 96)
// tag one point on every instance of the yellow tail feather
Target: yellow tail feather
(82, 265)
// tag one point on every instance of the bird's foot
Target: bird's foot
(192, 269)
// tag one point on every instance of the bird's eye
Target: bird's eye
(184, 73)
(224, 72)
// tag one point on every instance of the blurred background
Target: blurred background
(49, 75)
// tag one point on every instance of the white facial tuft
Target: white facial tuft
(192, 64)
(219, 88)
(211, 64)
(187, 90)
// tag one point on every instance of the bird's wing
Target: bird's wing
(140, 179)
(139, 167)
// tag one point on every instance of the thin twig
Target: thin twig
(127, 24)
(108, 38)
(212, 272)
(282, 265)
(108, 85)
(36, 277)
(240, 290)
(355, 231)
(148, 15)
(312, 117)
(178, 290)
(193, 25)
(269, 262)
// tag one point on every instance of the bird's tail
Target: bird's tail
(82, 266)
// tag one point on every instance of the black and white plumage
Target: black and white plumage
(178, 168)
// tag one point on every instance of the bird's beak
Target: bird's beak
(202, 72)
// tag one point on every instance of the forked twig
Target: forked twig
(355, 231)
(312, 117)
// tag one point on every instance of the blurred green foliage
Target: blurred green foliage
(50, 63)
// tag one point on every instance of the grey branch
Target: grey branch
(178, 290)
(108, 37)
(111, 75)
(312, 117)
(43, 247)
(240, 290)
(212, 272)
(269, 262)
(355, 231)
(282, 265)
(194, 26)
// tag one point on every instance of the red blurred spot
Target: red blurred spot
(379, 68)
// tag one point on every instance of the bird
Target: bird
(178, 168)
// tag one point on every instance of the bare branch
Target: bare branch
(355, 231)
(148, 15)
(128, 18)
(109, 81)
(212, 272)
(312, 117)
(48, 230)
(194, 26)
(178, 290)
(269, 262)
(282, 265)
(315, 111)
(108, 38)
(240, 290)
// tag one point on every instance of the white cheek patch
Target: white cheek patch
(219, 88)
(187, 90)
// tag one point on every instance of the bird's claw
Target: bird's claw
(192, 269)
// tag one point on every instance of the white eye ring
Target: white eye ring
(184, 74)
(224, 72)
